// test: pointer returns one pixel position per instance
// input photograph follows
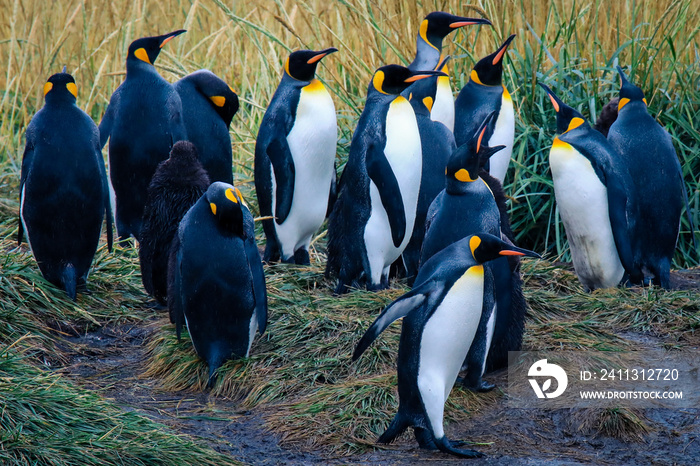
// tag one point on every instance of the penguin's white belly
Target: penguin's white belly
(444, 107)
(403, 152)
(253, 327)
(21, 216)
(503, 134)
(445, 341)
(312, 142)
(583, 205)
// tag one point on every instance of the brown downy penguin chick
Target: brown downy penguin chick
(177, 184)
(607, 117)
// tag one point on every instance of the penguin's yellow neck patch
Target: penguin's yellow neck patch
(475, 271)
(315, 86)
(47, 88)
(399, 100)
(428, 102)
(574, 123)
(506, 94)
(378, 81)
(212, 206)
(474, 243)
(142, 55)
(475, 77)
(218, 100)
(463, 176)
(423, 31)
(73, 89)
(231, 196)
(559, 144)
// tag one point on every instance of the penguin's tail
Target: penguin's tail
(396, 428)
(70, 281)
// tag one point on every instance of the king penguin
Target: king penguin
(217, 280)
(295, 178)
(432, 31)
(208, 106)
(658, 193)
(176, 185)
(373, 219)
(442, 321)
(592, 190)
(483, 94)
(142, 122)
(64, 193)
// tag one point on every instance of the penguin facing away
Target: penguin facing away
(658, 194)
(373, 219)
(63, 187)
(295, 159)
(432, 31)
(208, 106)
(176, 185)
(485, 93)
(142, 122)
(592, 190)
(437, 144)
(442, 318)
(217, 279)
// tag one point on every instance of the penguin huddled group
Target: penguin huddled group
(421, 196)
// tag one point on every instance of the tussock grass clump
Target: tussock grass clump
(45, 420)
(626, 424)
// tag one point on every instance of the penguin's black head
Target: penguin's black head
(465, 162)
(486, 247)
(147, 49)
(438, 25)
(221, 95)
(226, 204)
(61, 86)
(568, 118)
(301, 65)
(628, 91)
(488, 70)
(394, 79)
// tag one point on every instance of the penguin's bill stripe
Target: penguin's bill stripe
(574, 123)
(166, 41)
(555, 104)
(475, 77)
(417, 77)
(47, 88)
(459, 24)
(142, 55)
(499, 55)
(73, 89)
(478, 141)
(218, 100)
(508, 252)
(313, 60)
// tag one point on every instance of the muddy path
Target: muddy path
(111, 361)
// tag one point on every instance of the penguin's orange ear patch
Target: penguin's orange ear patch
(474, 243)
(238, 192)
(624, 101)
(574, 123)
(286, 67)
(212, 206)
(463, 176)
(231, 196)
(378, 81)
(423, 32)
(47, 88)
(73, 89)
(142, 55)
(475, 77)
(218, 100)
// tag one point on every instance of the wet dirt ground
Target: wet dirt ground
(111, 360)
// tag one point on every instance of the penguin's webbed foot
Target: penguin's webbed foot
(424, 438)
(445, 446)
(478, 386)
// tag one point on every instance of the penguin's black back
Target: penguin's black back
(63, 191)
(206, 128)
(143, 121)
(473, 104)
(176, 186)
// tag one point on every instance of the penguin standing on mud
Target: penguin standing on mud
(658, 193)
(295, 159)
(372, 221)
(442, 320)
(432, 31)
(208, 106)
(63, 187)
(217, 283)
(593, 193)
(143, 121)
(483, 94)
(176, 185)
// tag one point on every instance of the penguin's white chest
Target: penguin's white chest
(446, 339)
(503, 134)
(583, 205)
(403, 152)
(444, 107)
(312, 142)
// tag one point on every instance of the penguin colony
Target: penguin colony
(422, 188)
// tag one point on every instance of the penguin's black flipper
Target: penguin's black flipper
(283, 166)
(105, 127)
(396, 310)
(333, 194)
(687, 206)
(177, 314)
(26, 163)
(619, 221)
(108, 203)
(380, 172)
(256, 271)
